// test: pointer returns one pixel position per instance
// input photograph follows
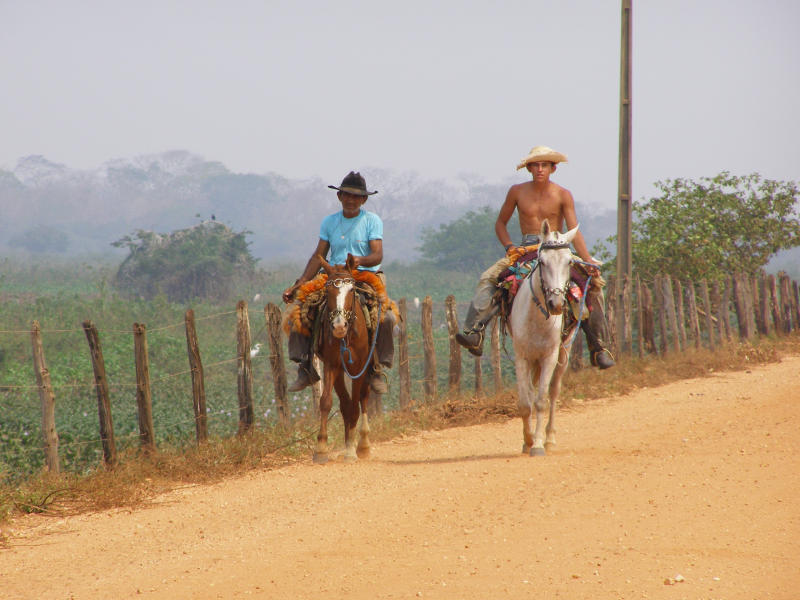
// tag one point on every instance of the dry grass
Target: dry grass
(139, 478)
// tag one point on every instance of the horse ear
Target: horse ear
(571, 234)
(324, 263)
(545, 229)
(351, 263)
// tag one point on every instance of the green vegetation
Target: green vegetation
(203, 261)
(714, 227)
(467, 244)
(79, 293)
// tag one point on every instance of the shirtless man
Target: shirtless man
(536, 201)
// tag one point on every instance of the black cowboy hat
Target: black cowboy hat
(353, 183)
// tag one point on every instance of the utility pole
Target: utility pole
(624, 212)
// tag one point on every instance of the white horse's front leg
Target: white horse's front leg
(546, 372)
(525, 394)
(555, 389)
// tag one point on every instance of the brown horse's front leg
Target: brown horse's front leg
(363, 449)
(349, 409)
(325, 404)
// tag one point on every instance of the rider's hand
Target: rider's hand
(288, 293)
(592, 266)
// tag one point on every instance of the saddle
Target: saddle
(304, 316)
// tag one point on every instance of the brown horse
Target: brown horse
(344, 349)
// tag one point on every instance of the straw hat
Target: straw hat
(542, 154)
(353, 183)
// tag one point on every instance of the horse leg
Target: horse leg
(349, 411)
(325, 404)
(547, 366)
(363, 449)
(555, 390)
(525, 393)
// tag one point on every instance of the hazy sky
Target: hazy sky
(316, 88)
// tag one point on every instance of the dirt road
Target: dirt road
(691, 490)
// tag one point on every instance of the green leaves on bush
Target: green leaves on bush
(202, 262)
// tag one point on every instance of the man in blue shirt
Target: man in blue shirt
(358, 232)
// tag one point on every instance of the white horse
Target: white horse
(536, 330)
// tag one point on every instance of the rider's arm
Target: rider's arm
(312, 267)
(506, 211)
(571, 219)
(375, 256)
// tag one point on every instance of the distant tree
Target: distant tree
(41, 239)
(714, 227)
(466, 244)
(203, 262)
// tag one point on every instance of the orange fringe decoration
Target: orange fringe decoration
(294, 320)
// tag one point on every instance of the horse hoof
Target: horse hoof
(550, 446)
(538, 452)
(320, 459)
(348, 458)
(526, 449)
(363, 452)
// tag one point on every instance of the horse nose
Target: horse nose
(555, 306)
(339, 330)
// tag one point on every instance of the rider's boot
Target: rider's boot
(474, 326)
(300, 352)
(595, 330)
(384, 355)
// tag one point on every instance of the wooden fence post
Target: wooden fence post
(626, 343)
(694, 321)
(244, 378)
(725, 309)
(497, 372)
(796, 303)
(428, 348)
(454, 371)
(742, 305)
(103, 400)
(403, 365)
(669, 306)
(648, 319)
(611, 317)
(704, 296)
(658, 306)
(680, 313)
(760, 284)
(198, 379)
(785, 303)
(639, 318)
(272, 316)
(48, 400)
(144, 400)
(777, 321)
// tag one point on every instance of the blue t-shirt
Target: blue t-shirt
(351, 235)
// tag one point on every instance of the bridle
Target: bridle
(348, 316)
(339, 282)
(547, 291)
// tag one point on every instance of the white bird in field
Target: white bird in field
(257, 297)
(254, 350)
(416, 302)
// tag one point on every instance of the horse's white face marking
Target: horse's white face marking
(339, 322)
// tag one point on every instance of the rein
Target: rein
(343, 348)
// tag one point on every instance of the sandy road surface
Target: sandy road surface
(696, 484)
